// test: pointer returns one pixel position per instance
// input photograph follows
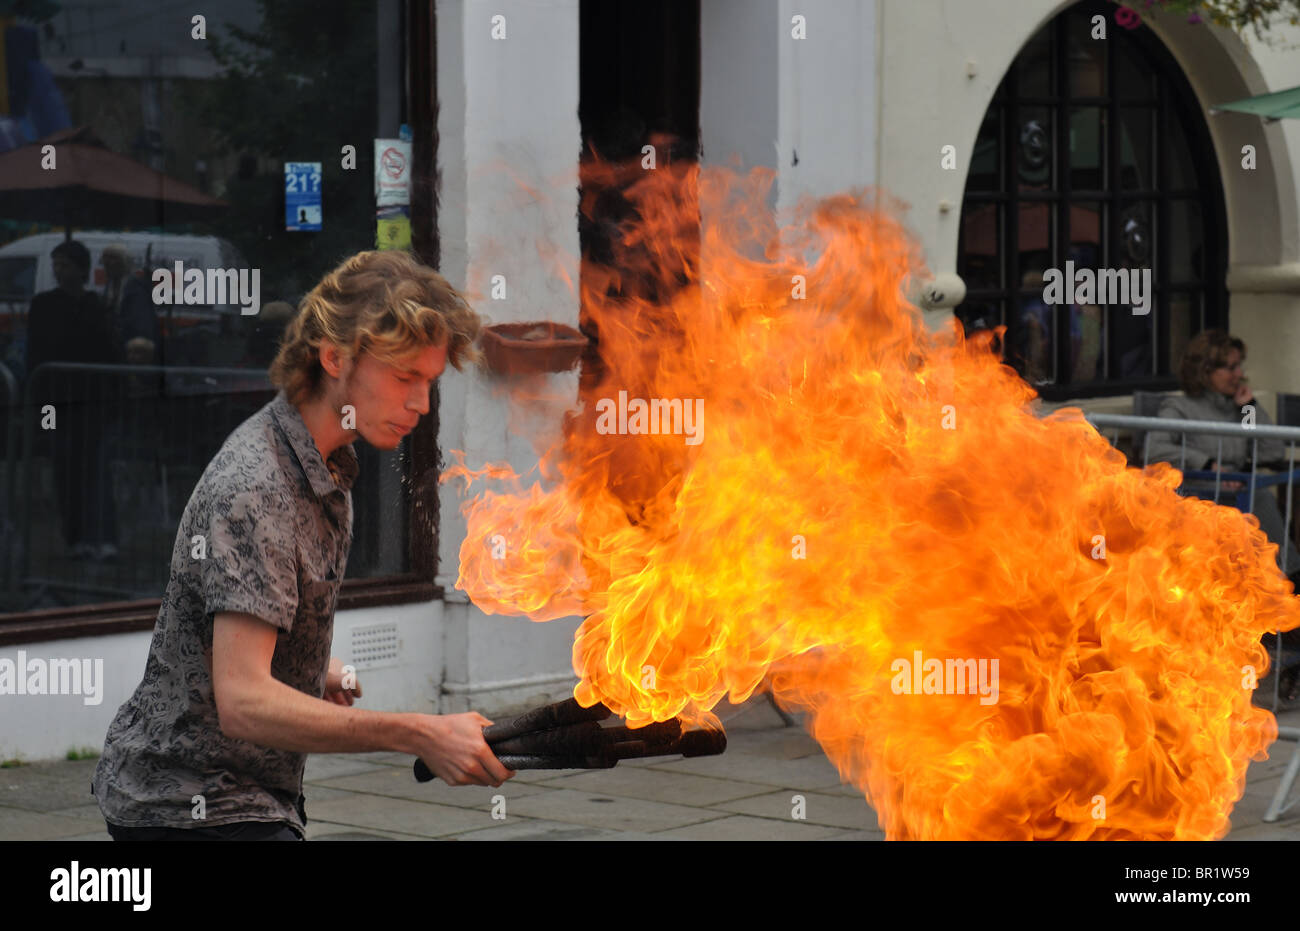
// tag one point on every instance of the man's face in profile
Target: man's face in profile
(390, 398)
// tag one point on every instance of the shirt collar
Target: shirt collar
(342, 462)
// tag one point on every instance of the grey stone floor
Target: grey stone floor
(744, 794)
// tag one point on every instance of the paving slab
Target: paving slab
(394, 759)
(321, 766)
(89, 812)
(756, 713)
(833, 810)
(315, 792)
(873, 836)
(1279, 754)
(1252, 806)
(1261, 831)
(47, 786)
(745, 827)
(397, 782)
(526, 829)
(18, 824)
(808, 773)
(377, 814)
(845, 789)
(334, 832)
(656, 786)
(605, 811)
(784, 744)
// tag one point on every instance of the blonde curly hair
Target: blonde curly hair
(386, 304)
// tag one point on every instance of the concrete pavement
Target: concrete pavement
(745, 794)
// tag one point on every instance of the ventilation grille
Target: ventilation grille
(374, 646)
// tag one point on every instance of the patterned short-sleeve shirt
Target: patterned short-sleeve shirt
(266, 532)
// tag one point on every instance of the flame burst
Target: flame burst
(865, 489)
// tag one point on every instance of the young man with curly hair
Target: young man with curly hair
(239, 686)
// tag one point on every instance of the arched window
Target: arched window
(1094, 154)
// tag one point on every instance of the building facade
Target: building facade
(1019, 138)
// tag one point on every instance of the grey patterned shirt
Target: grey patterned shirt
(276, 528)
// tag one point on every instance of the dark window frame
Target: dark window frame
(1174, 99)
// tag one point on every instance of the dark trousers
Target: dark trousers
(81, 477)
(241, 830)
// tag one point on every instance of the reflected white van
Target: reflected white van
(26, 268)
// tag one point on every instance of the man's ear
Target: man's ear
(331, 359)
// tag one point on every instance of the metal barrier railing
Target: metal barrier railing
(102, 430)
(1204, 483)
(1279, 805)
(1145, 426)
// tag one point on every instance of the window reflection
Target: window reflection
(1087, 149)
(171, 179)
(982, 247)
(1085, 59)
(1136, 149)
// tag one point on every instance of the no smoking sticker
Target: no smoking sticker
(392, 172)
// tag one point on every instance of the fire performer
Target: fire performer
(239, 686)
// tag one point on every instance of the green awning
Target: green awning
(1270, 106)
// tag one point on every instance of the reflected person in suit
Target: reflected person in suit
(69, 323)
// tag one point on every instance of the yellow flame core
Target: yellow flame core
(868, 492)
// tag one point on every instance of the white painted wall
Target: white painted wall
(509, 141)
(35, 727)
(740, 82)
(1280, 69)
(806, 107)
(1264, 279)
(828, 98)
(940, 63)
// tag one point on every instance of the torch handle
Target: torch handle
(567, 740)
(567, 736)
(516, 761)
(547, 717)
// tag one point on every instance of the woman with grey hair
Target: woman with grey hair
(1215, 389)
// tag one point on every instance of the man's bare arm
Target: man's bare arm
(253, 705)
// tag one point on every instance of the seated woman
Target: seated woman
(1215, 388)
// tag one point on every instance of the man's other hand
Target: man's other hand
(334, 688)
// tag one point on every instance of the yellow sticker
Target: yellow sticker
(393, 233)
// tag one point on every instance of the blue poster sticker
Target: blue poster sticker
(302, 196)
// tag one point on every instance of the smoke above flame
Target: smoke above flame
(870, 495)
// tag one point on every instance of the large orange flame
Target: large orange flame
(867, 498)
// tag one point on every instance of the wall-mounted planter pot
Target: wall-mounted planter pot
(531, 348)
